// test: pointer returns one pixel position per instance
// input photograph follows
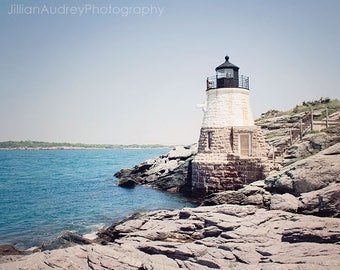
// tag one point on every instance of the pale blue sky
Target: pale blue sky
(100, 78)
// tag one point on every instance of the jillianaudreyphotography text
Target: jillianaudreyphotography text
(85, 9)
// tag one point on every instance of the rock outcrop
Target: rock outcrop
(9, 250)
(322, 202)
(209, 237)
(305, 186)
(285, 202)
(281, 129)
(170, 172)
(308, 146)
(306, 175)
(67, 239)
(249, 195)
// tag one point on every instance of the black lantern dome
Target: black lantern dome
(227, 74)
(227, 77)
(227, 65)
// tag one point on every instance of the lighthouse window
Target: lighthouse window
(209, 139)
(229, 73)
(225, 73)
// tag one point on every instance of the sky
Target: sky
(124, 72)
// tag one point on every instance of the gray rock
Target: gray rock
(9, 250)
(318, 141)
(250, 194)
(184, 214)
(67, 239)
(212, 231)
(322, 202)
(297, 151)
(285, 202)
(170, 172)
(335, 150)
(309, 174)
(181, 152)
(127, 183)
(310, 145)
(259, 183)
(225, 237)
(311, 233)
(178, 180)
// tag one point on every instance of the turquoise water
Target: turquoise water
(46, 192)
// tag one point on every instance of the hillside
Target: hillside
(283, 129)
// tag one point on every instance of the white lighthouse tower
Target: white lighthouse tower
(231, 149)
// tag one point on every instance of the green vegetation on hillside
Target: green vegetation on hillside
(55, 145)
(322, 103)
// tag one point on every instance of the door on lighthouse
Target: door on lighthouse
(244, 144)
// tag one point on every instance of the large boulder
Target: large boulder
(310, 145)
(9, 250)
(128, 182)
(250, 194)
(285, 202)
(309, 174)
(178, 180)
(169, 172)
(322, 202)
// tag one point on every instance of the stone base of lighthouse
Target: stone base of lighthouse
(228, 158)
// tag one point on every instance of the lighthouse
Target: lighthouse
(231, 149)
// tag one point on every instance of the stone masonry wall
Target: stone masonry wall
(231, 174)
(220, 141)
(218, 166)
(258, 144)
(226, 141)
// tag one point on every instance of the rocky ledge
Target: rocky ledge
(308, 186)
(170, 172)
(206, 237)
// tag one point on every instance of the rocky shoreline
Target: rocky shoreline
(290, 220)
(170, 172)
(207, 237)
(309, 183)
(278, 223)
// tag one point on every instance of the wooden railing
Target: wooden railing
(298, 130)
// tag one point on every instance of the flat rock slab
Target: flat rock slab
(208, 237)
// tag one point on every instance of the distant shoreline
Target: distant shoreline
(35, 145)
(81, 148)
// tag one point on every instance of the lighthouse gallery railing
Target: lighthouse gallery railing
(240, 82)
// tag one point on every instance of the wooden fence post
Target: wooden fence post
(311, 120)
(300, 129)
(326, 117)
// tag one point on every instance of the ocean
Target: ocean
(44, 193)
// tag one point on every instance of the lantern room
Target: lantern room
(227, 76)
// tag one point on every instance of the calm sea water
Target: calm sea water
(46, 192)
